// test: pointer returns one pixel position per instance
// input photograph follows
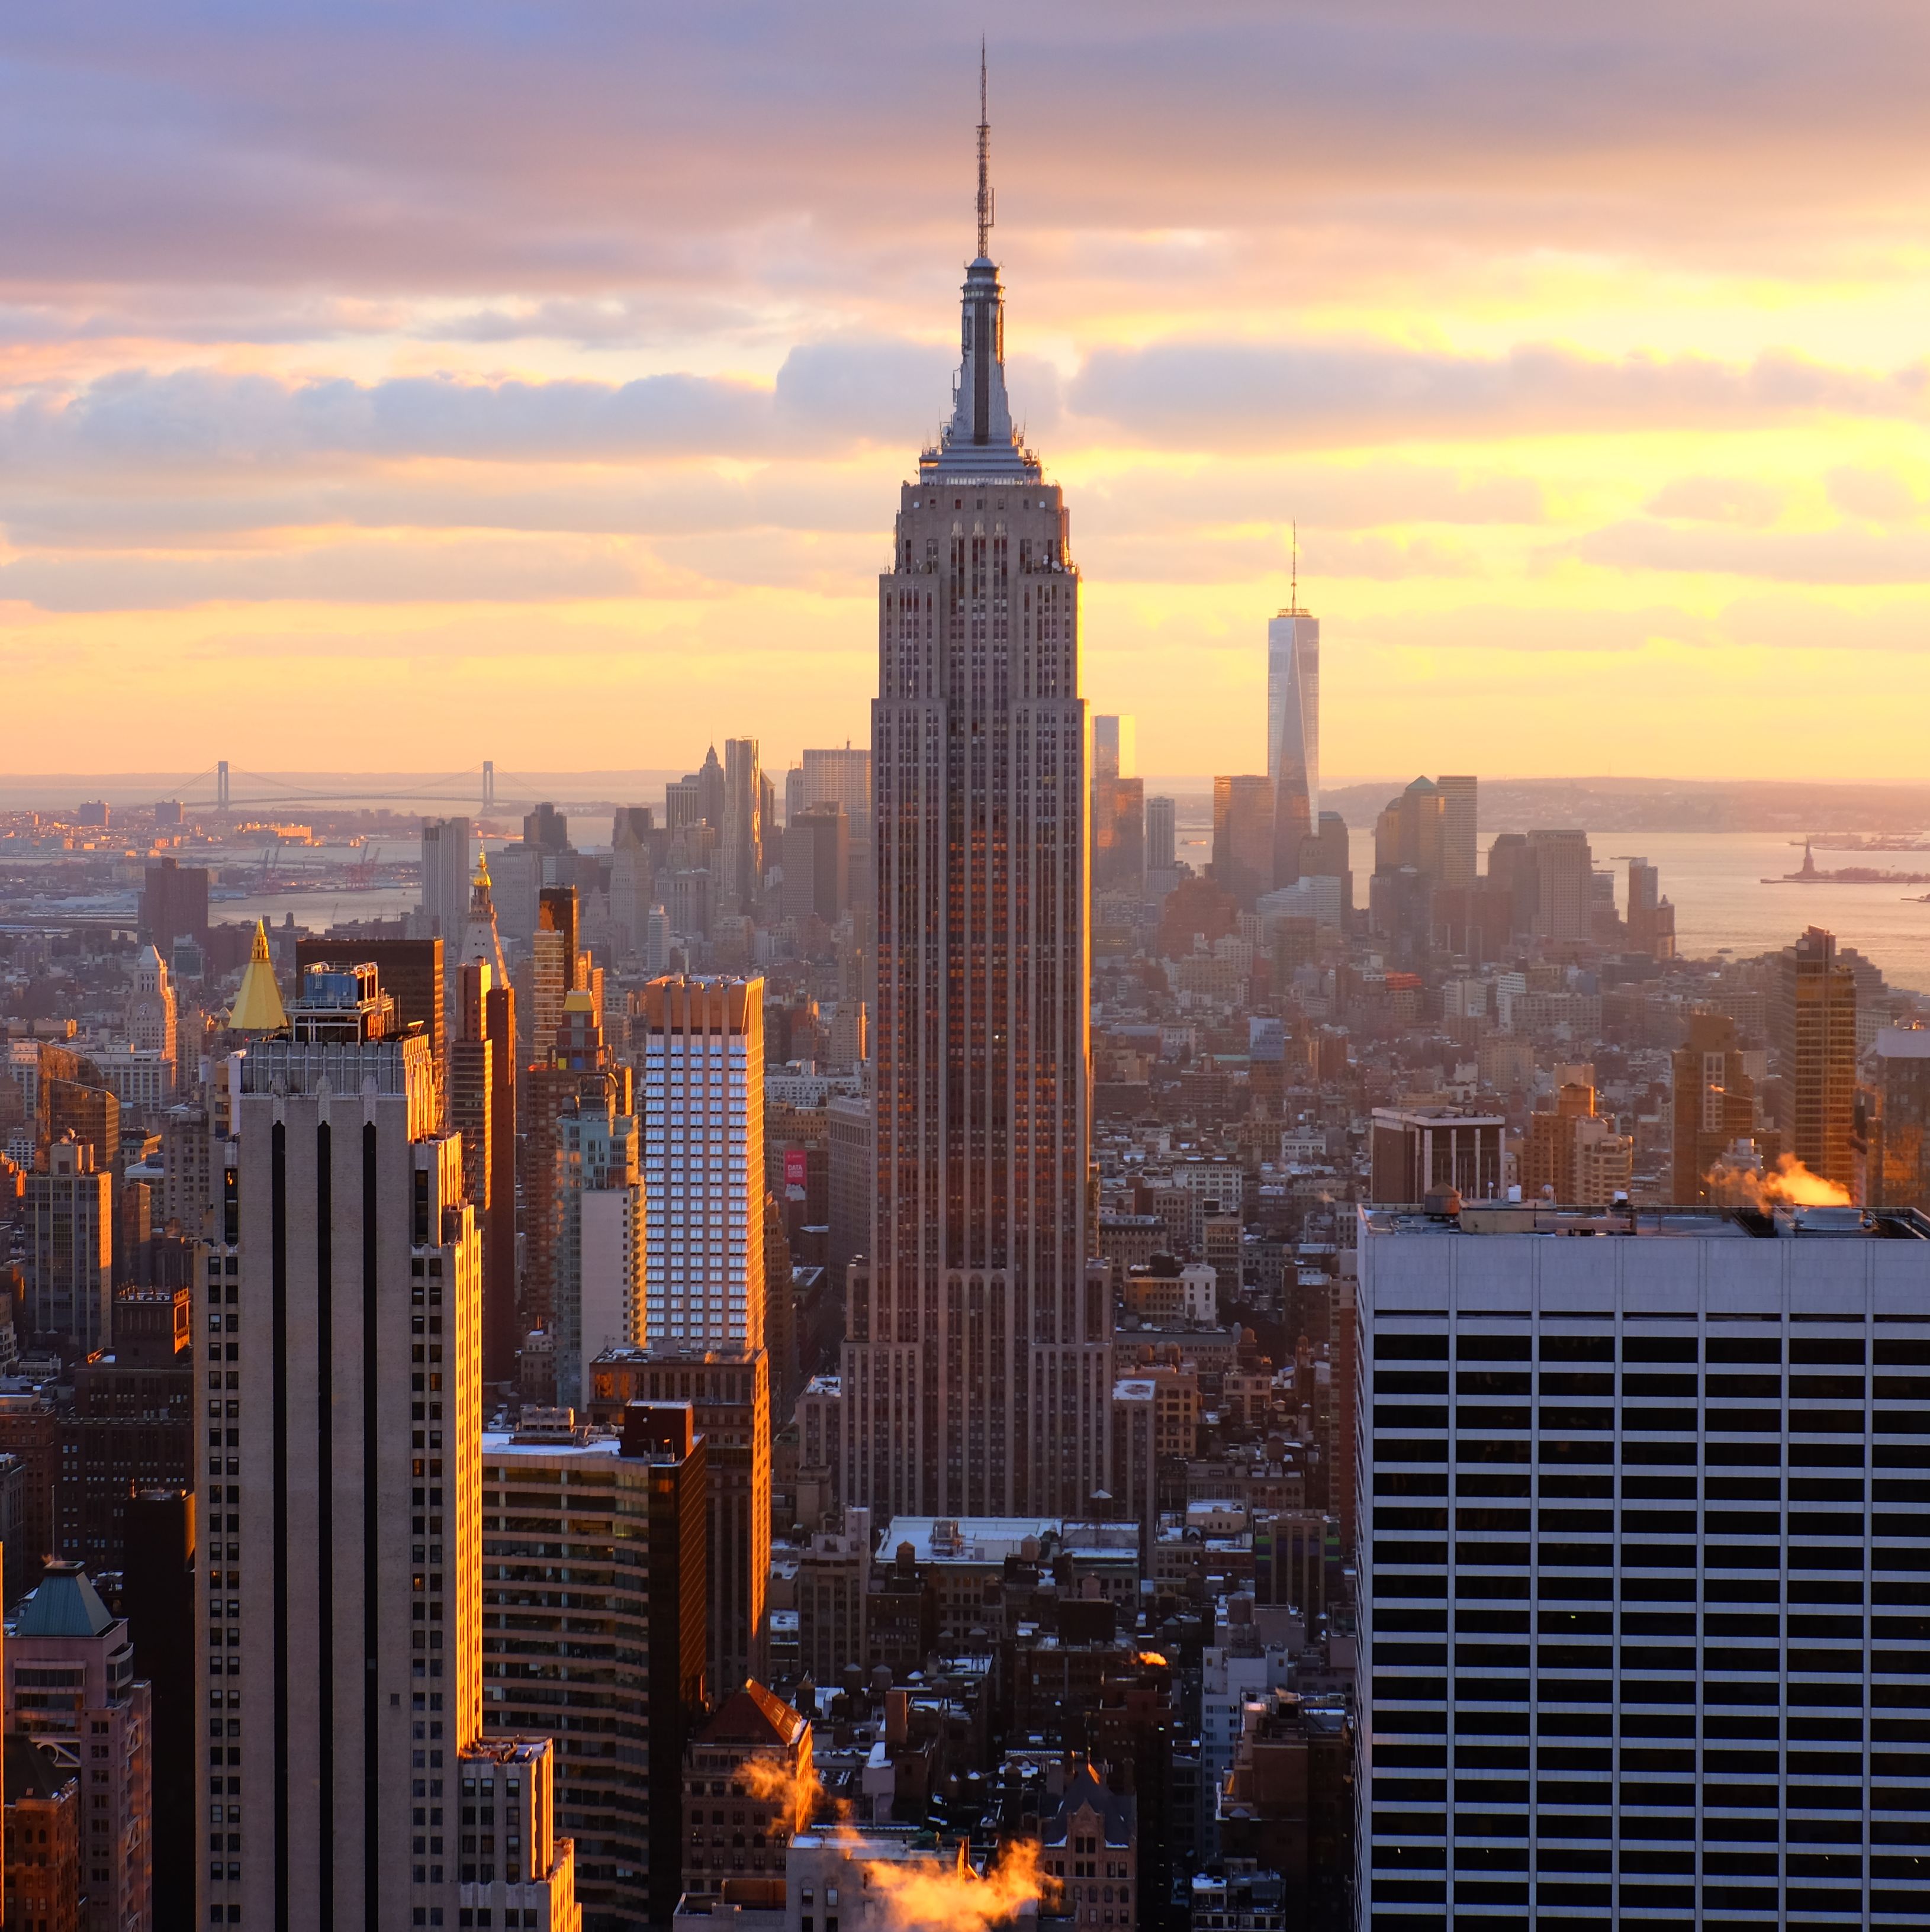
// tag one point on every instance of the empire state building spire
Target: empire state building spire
(980, 439)
(984, 165)
(978, 1342)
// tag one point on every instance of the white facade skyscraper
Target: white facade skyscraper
(977, 1356)
(1293, 735)
(1643, 1534)
(447, 869)
(703, 1109)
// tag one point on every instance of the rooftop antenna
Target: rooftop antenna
(984, 160)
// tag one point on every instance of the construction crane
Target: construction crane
(268, 855)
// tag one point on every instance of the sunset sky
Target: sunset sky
(385, 386)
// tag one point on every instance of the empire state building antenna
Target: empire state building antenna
(984, 162)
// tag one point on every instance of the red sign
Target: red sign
(796, 1167)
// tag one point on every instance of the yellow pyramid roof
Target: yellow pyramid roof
(258, 1007)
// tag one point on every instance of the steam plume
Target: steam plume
(939, 1898)
(1789, 1183)
(799, 1792)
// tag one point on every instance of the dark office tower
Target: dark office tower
(731, 1399)
(128, 1428)
(742, 828)
(81, 1107)
(664, 1435)
(680, 805)
(1714, 1103)
(590, 1505)
(71, 1262)
(1895, 1115)
(978, 1356)
(1812, 1032)
(1411, 831)
(579, 1067)
(818, 863)
(174, 904)
(482, 1109)
(1511, 870)
(552, 969)
(1417, 1151)
(1162, 847)
(1243, 854)
(157, 1599)
(547, 829)
(342, 1291)
(43, 1803)
(1645, 899)
(780, 1310)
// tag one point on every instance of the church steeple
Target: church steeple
(481, 940)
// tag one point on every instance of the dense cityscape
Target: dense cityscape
(929, 1333)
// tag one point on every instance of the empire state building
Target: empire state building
(977, 1359)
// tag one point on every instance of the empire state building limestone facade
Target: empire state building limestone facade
(977, 1366)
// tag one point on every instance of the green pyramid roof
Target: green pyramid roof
(66, 1604)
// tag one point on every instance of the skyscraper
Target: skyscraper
(1812, 1029)
(594, 1504)
(174, 902)
(1118, 807)
(837, 774)
(70, 1275)
(599, 1255)
(1115, 744)
(482, 1109)
(977, 1354)
(1641, 1607)
(1162, 837)
(579, 1069)
(1460, 816)
(703, 1105)
(1713, 1103)
(1895, 1115)
(339, 1585)
(553, 968)
(98, 1721)
(1293, 736)
(1242, 837)
(818, 863)
(729, 1393)
(443, 908)
(1564, 884)
(742, 828)
(1119, 834)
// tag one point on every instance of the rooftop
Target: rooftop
(1702, 1222)
(968, 1539)
(65, 1604)
(753, 1716)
